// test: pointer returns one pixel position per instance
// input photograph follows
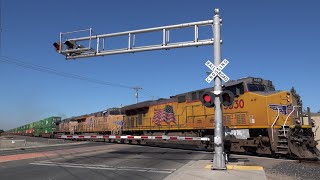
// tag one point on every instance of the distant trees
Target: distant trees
(1, 131)
(296, 96)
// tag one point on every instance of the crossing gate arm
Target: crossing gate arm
(130, 137)
(101, 41)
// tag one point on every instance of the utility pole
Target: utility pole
(136, 94)
(219, 156)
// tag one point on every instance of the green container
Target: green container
(36, 132)
(44, 126)
(48, 122)
(48, 130)
(37, 128)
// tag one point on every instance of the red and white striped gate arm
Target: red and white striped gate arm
(178, 138)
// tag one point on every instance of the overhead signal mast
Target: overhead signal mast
(97, 45)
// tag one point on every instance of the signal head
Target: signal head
(226, 98)
(207, 99)
(56, 46)
(70, 44)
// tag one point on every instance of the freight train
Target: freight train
(42, 128)
(261, 120)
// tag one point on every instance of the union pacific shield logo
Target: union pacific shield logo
(282, 108)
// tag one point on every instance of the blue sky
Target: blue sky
(276, 40)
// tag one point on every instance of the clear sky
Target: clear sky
(275, 40)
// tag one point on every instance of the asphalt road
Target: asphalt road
(99, 160)
(27, 141)
(23, 150)
(115, 161)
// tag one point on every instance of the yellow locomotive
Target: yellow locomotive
(260, 120)
(104, 122)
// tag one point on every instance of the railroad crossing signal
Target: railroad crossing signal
(226, 98)
(217, 71)
(72, 51)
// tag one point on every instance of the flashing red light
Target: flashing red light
(207, 98)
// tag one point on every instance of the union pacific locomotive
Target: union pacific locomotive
(261, 120)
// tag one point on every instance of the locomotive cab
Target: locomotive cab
(266, 121)
(249, 84)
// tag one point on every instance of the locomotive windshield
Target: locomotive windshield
(270, 88)
(249, 84)
(260, 87)
(256, 87)
(115, 112)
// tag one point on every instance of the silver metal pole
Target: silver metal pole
(70, 32)
(103, 44)
(98, 44)
(60, 43)
(139, 49)
(90, 38)
(219, 156)
(196, 33)
(200, 23)
(133, 40)
(129, 41)
(164, 37)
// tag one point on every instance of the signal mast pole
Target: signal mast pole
(219, 156)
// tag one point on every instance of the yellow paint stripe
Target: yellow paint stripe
(238, 167)
(275, 94)
(230, 126)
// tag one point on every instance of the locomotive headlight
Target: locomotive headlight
(288, 97)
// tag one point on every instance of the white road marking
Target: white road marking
(104, 167)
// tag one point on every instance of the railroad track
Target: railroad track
(194, 147)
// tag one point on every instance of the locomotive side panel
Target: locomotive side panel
(280, 105)
(113, 124)
(247, 111)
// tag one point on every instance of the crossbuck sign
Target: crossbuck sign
(217, 71)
